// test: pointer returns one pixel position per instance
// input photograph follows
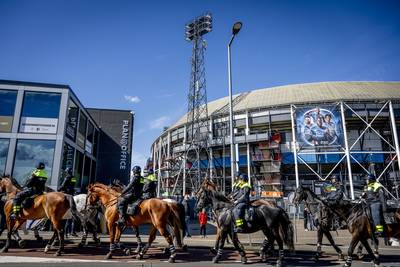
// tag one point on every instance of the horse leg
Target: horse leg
(319, 244)
(164, 232)
(50, 242)
(10, 224)
(239, 247)
(221, 244)
(37, 236)
(84, 237)
(96, 239)
(360, 254)
(60, 231)
(369, 250)
(280, 245)
(338, 250)
(152, 236)
(113, 247)
(376, 246)
(352, 246)
(138, 240)
(214, 249)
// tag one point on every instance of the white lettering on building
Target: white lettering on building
(124, 145)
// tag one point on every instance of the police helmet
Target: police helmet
(68, 170)
(244, 177)
(371, 177)
(40, 166)
(136, 170)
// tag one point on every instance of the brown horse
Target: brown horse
(153, 211)
(52, 205)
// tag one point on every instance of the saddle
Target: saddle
(133, 208)
(29, 201)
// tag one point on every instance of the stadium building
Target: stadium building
(293, 135)
(47, 123)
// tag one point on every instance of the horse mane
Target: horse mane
(107, 188)
(15, 183)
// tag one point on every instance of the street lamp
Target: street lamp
(235, 30)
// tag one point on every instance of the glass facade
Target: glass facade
(7, 108)
(3, 154)
(81, 131)
(68, 157)
(40, 112)
(72, 120)
(28, 154)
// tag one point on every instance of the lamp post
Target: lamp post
(235, 30)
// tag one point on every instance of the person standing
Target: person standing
(305, 216)
(186, 205)
(203, 222)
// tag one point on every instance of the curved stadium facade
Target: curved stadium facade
(291, 135)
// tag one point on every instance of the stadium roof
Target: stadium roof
(305, 93)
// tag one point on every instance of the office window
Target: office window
(78, 169)
(3, 154)
(7, 109)
(28, 154)
(40, 113)
(72, 120)
(89, 138)
(81, 130)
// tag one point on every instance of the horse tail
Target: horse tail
(286, 230)
(175, 221)
(72, 206)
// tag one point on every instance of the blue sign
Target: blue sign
(319, 127)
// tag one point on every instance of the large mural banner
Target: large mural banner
(319, 126)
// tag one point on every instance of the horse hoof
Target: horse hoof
(243, 259)
(127, 251)
(139, 256)
(22, 243)
(360, 256)
(58, 253)
(108, 256)
(340, 256)
(213, 251)
(171, 260)
(215, 259)
(263, 257)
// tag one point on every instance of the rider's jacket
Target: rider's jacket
(236, 188)
(335, 192)
(68, 185)
(150, 185)
(135, 187)
(37, 181)
(244, 193)
(375, 193)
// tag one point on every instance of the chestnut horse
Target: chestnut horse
(153, 211)
(52, 205)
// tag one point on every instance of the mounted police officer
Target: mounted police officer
(334, 191)
(68, 185)
(375, 197)
(242, 201)
(131, 193)
(150, 185)
(35, 185)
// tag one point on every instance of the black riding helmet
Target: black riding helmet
(136, 170)
(40, 166)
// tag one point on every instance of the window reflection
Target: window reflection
(28, 154)
(7, 108)
(68, 157)
(81, 130)
(40, 113)
(3, 154)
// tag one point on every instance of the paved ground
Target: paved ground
(198, 254)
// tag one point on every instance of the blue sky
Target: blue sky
(132, 54)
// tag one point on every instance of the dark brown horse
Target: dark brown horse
(153, 211)
(52, 205)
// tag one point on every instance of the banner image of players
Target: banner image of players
(319, 126)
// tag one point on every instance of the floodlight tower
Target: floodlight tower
(197, 127)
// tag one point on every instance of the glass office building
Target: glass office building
(47, 123)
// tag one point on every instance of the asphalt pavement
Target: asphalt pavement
(197, 255)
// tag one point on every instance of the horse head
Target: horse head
(92, 195)
(203, 195)
(300, 195)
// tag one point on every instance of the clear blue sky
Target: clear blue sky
(132, 54)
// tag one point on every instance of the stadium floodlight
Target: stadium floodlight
(235, 30)
(198, 27)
